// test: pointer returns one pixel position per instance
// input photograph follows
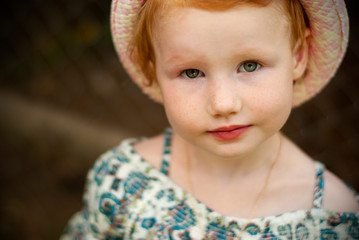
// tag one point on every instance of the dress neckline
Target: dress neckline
(162, 175)
(319, 169)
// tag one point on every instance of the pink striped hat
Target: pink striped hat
(329, 28)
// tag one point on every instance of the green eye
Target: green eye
(191, 73)
(249, 67)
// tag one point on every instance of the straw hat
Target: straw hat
(329, 28)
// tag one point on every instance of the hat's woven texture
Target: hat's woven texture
(329, 28)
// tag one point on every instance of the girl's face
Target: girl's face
(226, 77)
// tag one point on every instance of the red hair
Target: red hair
(141, 46)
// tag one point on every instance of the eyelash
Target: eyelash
(258, 66)
(184, 73)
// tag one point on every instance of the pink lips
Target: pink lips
(230, 132)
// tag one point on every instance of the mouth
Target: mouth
(230, 132)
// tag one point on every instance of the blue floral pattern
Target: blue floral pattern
(126, 198)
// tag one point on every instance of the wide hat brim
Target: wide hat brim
(329, 26)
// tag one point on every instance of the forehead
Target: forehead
(245, 26)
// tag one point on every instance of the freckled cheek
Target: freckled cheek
(272, 107)
(181, 110)
(183, 117)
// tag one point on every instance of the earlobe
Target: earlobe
(300, 56)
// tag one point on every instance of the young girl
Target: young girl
(228, 73)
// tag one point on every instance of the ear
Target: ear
(300, 56)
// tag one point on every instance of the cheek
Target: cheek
(181, 110)
(273, 106)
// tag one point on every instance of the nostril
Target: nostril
(224, 114)
(217, 115)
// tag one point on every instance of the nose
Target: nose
(224, 98)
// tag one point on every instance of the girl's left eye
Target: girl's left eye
(191, 73)
(249, 67)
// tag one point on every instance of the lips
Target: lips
(230, 132)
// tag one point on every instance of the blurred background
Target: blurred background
(65, 98)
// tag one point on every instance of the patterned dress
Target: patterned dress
(127, 198)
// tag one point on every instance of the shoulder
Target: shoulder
(337, 196)
(110, 163)
(127, 157)
(119, 166)
(151, 150)
(118, 178)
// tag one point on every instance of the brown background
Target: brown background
(64, 99)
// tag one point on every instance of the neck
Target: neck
(228, 168)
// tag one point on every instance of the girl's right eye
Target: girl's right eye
(191, 73)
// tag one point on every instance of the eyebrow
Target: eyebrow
(181, 57)
(173, 59)
(249, 54)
